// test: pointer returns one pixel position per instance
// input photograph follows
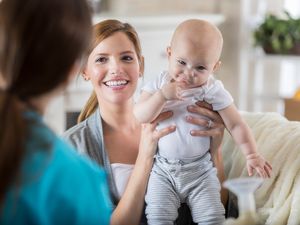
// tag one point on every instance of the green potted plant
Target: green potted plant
(279, 36)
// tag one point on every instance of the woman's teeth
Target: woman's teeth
(115, 83)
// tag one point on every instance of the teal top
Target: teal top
(57, 185)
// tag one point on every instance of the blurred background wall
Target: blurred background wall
(258, 82)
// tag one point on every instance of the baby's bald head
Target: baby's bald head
(203, 35)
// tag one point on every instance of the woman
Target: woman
(41, 45)
(108, 131)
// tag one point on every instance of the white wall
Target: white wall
(256, 83)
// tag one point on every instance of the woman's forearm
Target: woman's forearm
(131, 205)
(219, 164)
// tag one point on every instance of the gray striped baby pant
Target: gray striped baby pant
(175, 181)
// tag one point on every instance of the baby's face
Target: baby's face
(194, 53)
(191, 64)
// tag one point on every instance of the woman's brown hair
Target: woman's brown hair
(40, 41)
(102, 31)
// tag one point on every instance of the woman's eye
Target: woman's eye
(127, 58)
(101, 59)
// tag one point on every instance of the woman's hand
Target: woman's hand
(214, 124)
(150, 136)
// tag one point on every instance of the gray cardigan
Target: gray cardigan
(87, 138)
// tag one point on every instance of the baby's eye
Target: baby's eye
(127, 58)
(200, 68)
(101, 59)
(181, 62)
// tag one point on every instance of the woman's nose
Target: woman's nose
(114, 67)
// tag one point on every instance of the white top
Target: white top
(180, 144)
(121, 173)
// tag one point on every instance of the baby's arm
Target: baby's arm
(149, 106)
(243, 137)
(238, 129)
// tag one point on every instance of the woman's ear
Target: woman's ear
(84, 75)
(217, 66)
(142, 66)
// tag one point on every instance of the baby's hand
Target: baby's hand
(171, 91)
(256, 162)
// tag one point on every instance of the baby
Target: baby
(183, 170)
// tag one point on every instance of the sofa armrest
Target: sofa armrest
(278, 140)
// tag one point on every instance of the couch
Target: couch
(278, 140)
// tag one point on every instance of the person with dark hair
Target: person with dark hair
(108, 131)
(42, 179)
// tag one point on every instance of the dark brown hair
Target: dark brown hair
(40, 41)
(102, 31)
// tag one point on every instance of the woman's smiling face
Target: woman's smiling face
(113, 69)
